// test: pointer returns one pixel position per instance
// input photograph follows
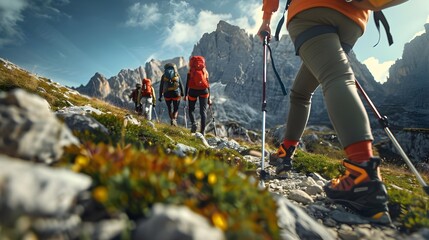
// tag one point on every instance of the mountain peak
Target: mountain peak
(224, 26)
(98, 75)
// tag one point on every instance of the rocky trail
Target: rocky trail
(306, 192)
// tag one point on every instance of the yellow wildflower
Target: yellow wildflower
(188, 161)
(199, 174)
(219, 221)
(212, 178)
(100, 194)
(81, 161)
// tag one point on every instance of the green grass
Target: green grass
(135, 163)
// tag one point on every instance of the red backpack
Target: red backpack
(198, 75)
(146, 87)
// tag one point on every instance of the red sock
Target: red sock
(288, 143)
(359, 152)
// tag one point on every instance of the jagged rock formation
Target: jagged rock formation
(234, 61)
(117, 88)
(407, 85)
(98, 87)
(234, 58)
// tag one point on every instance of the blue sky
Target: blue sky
(69, 40)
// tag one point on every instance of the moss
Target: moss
(131, 181)
(310, 162)
(131, 169)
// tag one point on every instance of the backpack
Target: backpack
(375, 5)
(198, 75)
(378, 15)
(146, 87)
(170, 78)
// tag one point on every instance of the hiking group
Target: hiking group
(144, 98)
(323, 32)
(197, 88)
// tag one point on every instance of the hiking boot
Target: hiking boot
(282, 159)
(361, 190)
(174, 122)
(193, 128)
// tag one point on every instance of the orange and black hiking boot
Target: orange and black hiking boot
(361, 190)
(282, 159)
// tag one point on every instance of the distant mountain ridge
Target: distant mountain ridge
(408, 83)
(234, 61)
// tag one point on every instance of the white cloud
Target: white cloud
(251, 16)
(182, 33)
(420, 32)
(380, 71)
(10, 16)
(181, 11)
(143, 15)
(185, 25)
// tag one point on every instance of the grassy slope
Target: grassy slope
(214, 199)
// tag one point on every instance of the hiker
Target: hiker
(148, 99)
(323, 32)
(136, 96)
(172, 90)
(197, 87)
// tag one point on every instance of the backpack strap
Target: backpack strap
(379, 17)
(282, 86)
(282, 20)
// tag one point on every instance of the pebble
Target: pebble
(306, 191)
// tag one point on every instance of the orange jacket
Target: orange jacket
(357, 15)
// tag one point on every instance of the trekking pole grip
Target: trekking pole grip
(265, 35)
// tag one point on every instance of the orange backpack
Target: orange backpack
(198, 75)
(146, 87)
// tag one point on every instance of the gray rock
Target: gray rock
(422, 234)
(176, 223)
(314, 189)
(349, 218)
(29, 130)
(104, 229)
(202, 139)
(296, 224)
(83, 123)
(300, 196)
(183, 150)
(37, 190)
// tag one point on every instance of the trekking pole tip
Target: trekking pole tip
(261, 184)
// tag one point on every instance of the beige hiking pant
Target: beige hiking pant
(326, 64)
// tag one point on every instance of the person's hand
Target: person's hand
(160, 99)
(153, 105)
(210, 102)
(185, 98)
(265, 27)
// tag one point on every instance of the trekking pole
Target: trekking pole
(160, 111)
(184, 113)
(263, 173)
(385, 125)
(213, 119)
(156, 115)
